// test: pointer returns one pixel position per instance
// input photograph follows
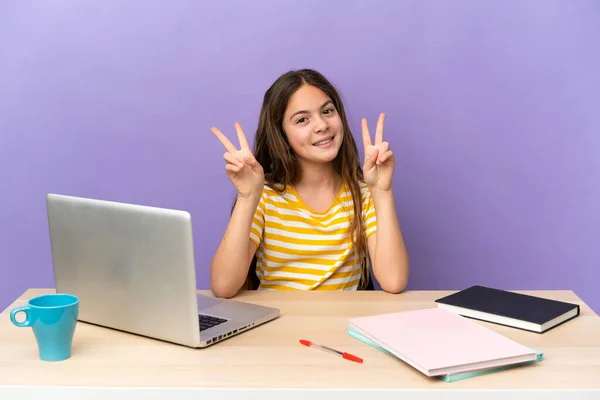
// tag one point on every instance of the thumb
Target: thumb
(252, 163)
(370, 160)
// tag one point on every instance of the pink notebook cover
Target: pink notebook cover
(438, 341)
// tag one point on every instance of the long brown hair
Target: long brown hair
(280, 165)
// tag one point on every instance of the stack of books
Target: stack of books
(445, 342)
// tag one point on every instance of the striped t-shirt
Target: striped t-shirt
(299, 249)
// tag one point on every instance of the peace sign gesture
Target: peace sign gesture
(379, 159)
(243, 170)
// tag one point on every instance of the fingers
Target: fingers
(223, 139)
(365, 133)
(232, 168)
(231, 159)
(239, 163)
(370, 160)
(251, 161)
(226, 143)
(383, 148)
(379, 130)
(241, 136)
(388, 155)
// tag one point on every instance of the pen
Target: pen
(345, 355)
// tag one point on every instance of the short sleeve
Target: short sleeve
(258, 222)
(368, 212)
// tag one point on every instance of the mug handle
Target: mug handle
(24, 309)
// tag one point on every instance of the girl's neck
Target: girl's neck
(318, 176)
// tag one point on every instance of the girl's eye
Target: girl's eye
(328, 111)
(301, 120)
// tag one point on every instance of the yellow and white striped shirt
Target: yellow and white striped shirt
(299, 249)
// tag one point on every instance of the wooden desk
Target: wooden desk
(265, 361)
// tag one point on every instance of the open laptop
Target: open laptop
(132, 267)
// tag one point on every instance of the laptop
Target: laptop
(132, 267)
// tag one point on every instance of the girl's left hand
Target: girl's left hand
(379, 159)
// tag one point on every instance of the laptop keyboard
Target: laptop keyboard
(208, 321)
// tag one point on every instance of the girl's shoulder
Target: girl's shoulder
(363, 186)
(365, 193)
(275, 191)
(364, 190)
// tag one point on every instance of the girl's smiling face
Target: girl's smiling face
(313, 126)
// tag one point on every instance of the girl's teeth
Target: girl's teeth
(323, 142)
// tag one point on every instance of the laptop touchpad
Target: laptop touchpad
(205, 302)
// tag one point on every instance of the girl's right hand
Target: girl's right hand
(243, 170)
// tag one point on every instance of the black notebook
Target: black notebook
(502, 307)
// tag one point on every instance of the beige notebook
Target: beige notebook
(437, 341)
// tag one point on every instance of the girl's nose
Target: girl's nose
(320, 125)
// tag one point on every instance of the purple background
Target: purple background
(493, 114)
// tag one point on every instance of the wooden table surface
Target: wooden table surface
(270, 357)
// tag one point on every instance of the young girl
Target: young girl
(306, 213)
